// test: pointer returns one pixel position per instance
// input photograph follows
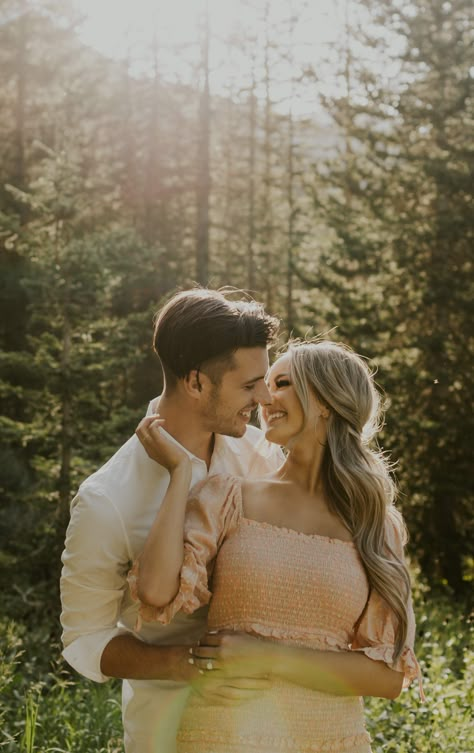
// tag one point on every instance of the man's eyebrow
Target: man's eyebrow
(255, 379)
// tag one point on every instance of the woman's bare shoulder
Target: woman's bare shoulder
(259, 497)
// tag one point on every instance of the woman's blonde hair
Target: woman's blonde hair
(356, 477)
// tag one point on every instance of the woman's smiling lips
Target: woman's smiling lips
(270, 418)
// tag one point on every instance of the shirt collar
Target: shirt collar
(191, 456)
(224, 444)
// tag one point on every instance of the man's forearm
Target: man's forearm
(128, 658)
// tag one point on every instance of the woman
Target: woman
(310, 560)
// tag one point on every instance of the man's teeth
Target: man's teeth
(274, 416)
(246, 413)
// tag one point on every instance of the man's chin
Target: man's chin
(233, 431)
(237, 433)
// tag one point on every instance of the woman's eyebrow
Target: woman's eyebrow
(278, 376)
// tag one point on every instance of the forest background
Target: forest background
(126, 178)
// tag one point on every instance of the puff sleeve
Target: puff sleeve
(375, 634)
(213, 511)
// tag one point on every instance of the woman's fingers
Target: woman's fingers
(233, 654)
(147, 423)
(158, 446)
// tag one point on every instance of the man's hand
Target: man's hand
(232, 655)
(158, 447)
(228, 691)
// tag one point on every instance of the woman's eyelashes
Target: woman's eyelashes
(282, 383)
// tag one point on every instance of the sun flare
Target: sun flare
(126, 29)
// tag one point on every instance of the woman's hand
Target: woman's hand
(233, 655)
(344, 672)
(158, 447)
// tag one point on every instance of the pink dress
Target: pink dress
(304, 590)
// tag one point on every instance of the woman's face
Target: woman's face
(284, 419)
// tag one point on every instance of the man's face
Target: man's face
(226, 407)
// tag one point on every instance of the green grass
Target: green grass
(46, 708)
(444, 723)
(52, 710)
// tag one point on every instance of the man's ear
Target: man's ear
(192, 383)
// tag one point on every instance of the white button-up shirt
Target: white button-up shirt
(110, 519)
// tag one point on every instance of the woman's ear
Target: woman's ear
(323, 410)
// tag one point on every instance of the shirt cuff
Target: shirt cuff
(84, 653)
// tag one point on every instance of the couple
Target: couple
(311, 606)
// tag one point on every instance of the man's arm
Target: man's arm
(128, 658)
(93, 581)
(92, 586)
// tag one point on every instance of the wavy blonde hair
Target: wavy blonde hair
(356, 477)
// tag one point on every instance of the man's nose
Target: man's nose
(263, 395)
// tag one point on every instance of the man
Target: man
(214, 357)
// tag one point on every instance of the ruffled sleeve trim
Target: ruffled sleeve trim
(193, 591)
(213, 511)
(406, 663)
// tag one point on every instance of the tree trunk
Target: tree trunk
(251, 281)
(66, 418)
(203, 168)
(20, 104)
(267, 176)
(152, 196)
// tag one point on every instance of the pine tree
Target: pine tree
(396, 203)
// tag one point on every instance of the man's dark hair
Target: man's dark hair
(201, 329)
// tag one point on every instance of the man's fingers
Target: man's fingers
(216, 682)
(253, 684)
(205, 652)
(230, 695)
(222, 700)
(214, 638)
(210, 640)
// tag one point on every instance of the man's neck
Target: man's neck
(185, 427)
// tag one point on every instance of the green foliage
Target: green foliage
(98, 213)
(44, 707)
(46, 703)
(397, 262)
(443, 724)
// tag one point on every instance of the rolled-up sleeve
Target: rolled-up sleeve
(93, 580)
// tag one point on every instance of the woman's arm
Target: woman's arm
(162, 557)
(337, 672)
